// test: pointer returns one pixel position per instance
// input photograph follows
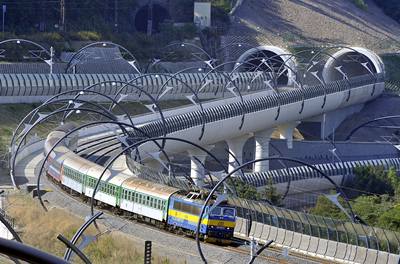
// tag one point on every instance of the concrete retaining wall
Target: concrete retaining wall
(314, 246)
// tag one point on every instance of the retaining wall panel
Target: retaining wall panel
(313, 245)
(331, 248)
(361, 255)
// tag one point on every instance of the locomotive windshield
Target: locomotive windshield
(229, 212)
(216, 211)
(223, 211)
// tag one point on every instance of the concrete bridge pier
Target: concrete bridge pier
(236, 148)
(197, 160)
(262, 140)
(286, 132)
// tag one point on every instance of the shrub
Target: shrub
(86, 36)
(48, 37)
(361, 4)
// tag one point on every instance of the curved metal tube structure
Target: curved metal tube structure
(74, 248)
(79, 232)
(105, 43)
(154, 100)
(186, 44)
(111, 117)
(369, 122)
(137, 144)
(30, 254)
(77, 129)
(338, 188)
(18, 41)
(51, 100)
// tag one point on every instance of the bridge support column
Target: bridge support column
(262, 139)
(236, 148)
(287, 132)
(197, 159)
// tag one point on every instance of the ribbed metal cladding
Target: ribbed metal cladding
(223, 112)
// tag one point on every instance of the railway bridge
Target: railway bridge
(347, 80)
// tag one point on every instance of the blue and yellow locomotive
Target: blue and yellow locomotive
(217, 225)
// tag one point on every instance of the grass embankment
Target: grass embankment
(40, 230)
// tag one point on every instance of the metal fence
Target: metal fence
(303, 172)
(221, 112)
(52, 84)
(296, 224)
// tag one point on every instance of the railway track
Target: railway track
(270, 255)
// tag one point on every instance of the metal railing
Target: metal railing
(52, 84)
(188, 120)
(302, 172)
(313, 226)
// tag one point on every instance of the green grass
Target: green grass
(223, 4)
(40, 229)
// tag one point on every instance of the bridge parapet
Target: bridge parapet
(315, 235)
(29, 88)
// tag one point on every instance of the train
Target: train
(167, 207)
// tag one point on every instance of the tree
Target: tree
(390, 219)
(371, 179)
(246, 191)
(324, 207)
(394, 181)
(370, 208)
(271, 194)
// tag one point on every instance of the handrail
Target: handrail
(231, 110)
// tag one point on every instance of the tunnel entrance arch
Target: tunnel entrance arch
(276, 58)
(159, 14)
(352, 62)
